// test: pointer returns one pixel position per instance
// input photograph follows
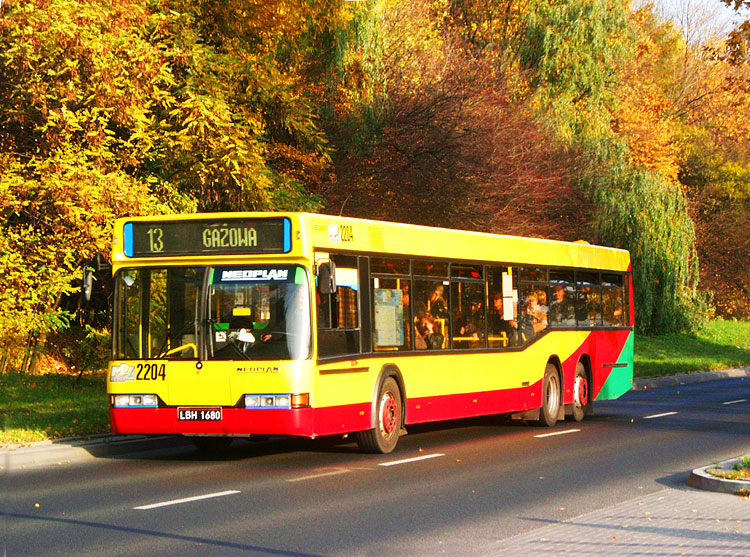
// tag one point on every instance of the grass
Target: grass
(54, 405)
(721, 345)
(50, 406)
(740, 471)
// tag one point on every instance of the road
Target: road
(453, 488)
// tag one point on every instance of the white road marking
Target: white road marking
(659, 415)
(735, 401)
(408, 460)
(333, 472)
(185, 500)
(554, 433)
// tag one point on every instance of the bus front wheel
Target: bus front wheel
(384, 436)
(550, 397)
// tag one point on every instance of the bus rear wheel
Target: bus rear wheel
(384, 436)
(550, 397)
(581, 393)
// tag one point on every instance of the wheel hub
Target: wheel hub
(581, 391)
(389, 414)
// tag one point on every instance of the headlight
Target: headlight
(282, 401)
(135, 401)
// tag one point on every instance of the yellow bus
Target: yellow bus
(242, 324)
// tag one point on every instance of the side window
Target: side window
(562, 299)
(613, 300)
(589, 299)
(391, 313)
(338, 313)
(502, 307)
(533, 313)
(430, 314)
(468, 306)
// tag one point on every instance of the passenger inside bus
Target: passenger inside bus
(432, 337)
(436, 305)
(533, 319)
(502, 332)
(561, 310)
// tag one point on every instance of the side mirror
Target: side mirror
(327, 277)
(88, 283)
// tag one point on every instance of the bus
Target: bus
(295, 324)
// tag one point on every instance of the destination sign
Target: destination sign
(207, 237)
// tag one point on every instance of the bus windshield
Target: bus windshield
(259, 313)
(224, 313)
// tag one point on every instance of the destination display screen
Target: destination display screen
(207, 237)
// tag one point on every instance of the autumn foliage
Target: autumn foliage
(572, 120)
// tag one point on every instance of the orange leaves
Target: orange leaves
(645, 116)
(644, 119)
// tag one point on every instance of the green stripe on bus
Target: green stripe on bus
(620, 379)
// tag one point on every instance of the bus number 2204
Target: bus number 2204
(150, 372)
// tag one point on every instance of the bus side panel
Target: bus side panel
(449, 407)
(611, 355)
(616, 364)
(331, 420)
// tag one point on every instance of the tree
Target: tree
(110, 110)
(738, 44)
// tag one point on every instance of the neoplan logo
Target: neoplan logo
(255, 274)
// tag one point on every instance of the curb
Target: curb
(701, 479)
(643, 383)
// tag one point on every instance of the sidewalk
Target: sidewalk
(669, 522)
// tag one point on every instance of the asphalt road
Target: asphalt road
(453, 488)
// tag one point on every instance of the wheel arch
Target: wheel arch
(588, 367)
(554, 359)
(585, 359)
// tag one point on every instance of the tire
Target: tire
(211, 445)
(581, 393)
(383, 438)
(550, 397)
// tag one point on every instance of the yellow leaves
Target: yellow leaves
(644, 119)
(645, 116)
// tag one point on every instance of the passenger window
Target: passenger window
(562, 299)
(533, 309)
(613, 300)
(430, 314)
(392, 314)
(467, 299)
(589, 299)
(338, 313)
(532, 315)
(532, 274)
(383, 266)
(502, 312)
(430, 268)
(467, 271)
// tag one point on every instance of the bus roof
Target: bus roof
(333, 233)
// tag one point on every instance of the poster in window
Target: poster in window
(389, 317)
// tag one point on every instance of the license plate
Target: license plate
(199, 414)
